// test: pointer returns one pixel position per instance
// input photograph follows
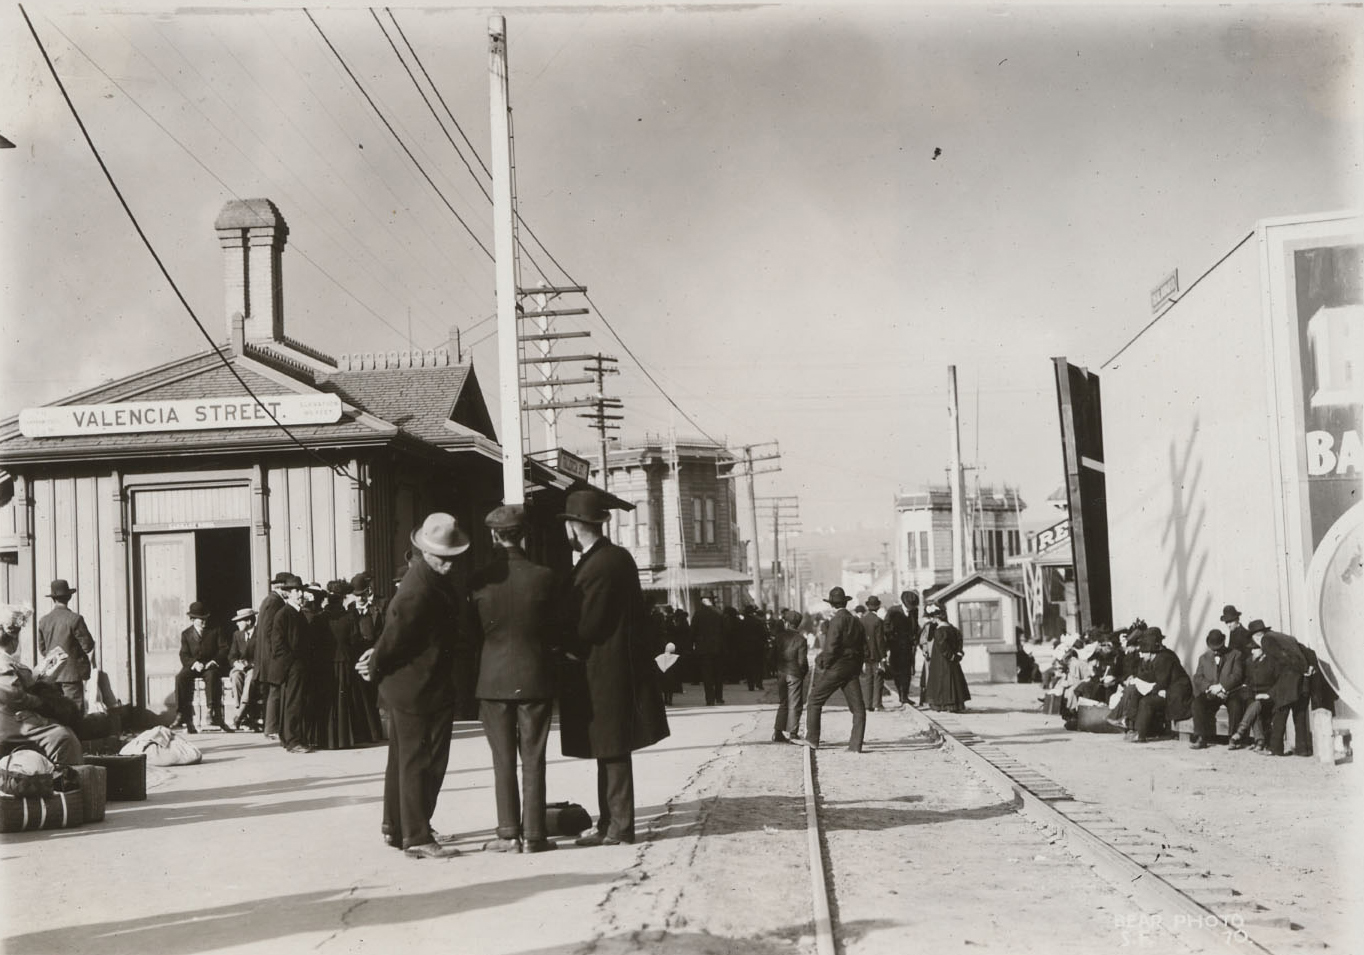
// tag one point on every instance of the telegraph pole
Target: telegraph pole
(785, 510)
(602, 404)
(747, 462)
(504, 256)
(958, 481)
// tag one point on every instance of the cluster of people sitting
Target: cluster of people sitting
(291, 665)
(1263, 677)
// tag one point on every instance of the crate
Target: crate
(127, 776)
(30, 813)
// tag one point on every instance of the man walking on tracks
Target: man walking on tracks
(839, 667)
(872, 678)
(612, 705)
(517, 617)
(414, 662)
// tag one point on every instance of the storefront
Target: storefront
(176, 484)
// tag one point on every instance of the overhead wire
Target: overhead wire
(204, 166)
(384, 119)
(151, 249)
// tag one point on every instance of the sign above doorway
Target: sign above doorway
(187, 414)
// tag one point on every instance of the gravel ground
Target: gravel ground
(1284, 830)
(922, 856)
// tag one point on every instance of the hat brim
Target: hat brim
(62, 593)
(838, 603)
(438, 549)
(586, 518)
(197, 616)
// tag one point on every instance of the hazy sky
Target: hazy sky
(749, 193)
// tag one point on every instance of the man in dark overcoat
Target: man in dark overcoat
(1217, 681)
(872, 677)
(203, 656)
(63, 627)
(264, 652)
(518, 621)
(708, 639)
(424, 640)
(839, 667)
(791, 664)
(288, 666)
(1291, 694)
(902, 637)
(1165, 692)
(613, 704)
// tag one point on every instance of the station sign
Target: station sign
(1056, 534)
(569, 463)
(184, 414)
(1167, 289)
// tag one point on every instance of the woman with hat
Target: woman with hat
(344, 718)
(946, 688)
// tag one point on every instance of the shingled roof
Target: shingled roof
(439, 406)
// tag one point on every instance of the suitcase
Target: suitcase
(566, 819)
(127, 776)
(29, 813)
(93, 788)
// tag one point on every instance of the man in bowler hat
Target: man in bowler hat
(290, 640)
(203, 656)
(63, 627)
(518, 620)
(264, 652)
(414, 662)
(839, 667)
(612, 705)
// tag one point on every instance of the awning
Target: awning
(691, 578)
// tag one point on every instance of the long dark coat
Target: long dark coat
(1167, 673)
(946, 688)
(610, 703)
(423, 642)
(63, 627)
(265, 618)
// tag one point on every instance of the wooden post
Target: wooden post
(504, 255)
(959, 543)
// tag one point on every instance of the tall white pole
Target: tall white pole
(504, 254)
(958, 490)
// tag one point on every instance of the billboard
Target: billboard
(1315, 323)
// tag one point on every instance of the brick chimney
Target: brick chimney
(252, 234)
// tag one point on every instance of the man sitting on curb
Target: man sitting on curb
(1217, 681)
(1261, 673)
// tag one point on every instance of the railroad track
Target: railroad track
(1168, 882)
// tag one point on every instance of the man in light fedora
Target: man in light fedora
(63, 627)
(241, 660)
(202, 657)
(613, 705)
(839, 667)
(518, 617)
(414, 663)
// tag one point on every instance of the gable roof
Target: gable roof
(379, 406)
(958, 587)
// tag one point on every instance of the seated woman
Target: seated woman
(28, 707)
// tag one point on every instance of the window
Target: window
(999, 549)
(696, 520)
(980, 621)
(710, 520)
(913, 552)
(643, 536)
(925, 557)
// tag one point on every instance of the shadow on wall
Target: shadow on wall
(1188, 558)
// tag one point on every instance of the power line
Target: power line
(202, 165)
(384, 119)
(1167, 311)
(137, 226)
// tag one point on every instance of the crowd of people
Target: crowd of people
(1262, 677)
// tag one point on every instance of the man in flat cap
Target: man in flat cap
(839, 667)
(613, 705)
(63, 627)
(423, 642)
(518, 621)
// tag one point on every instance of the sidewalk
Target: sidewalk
(256, 850)
(1286, 830)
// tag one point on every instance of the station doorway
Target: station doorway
(211, 565)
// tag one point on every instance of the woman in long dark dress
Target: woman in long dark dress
(946, 689)
(349, 719)
(319, 687)
(369, 618)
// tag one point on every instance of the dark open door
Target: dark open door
(1082, 443)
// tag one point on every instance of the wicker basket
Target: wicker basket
(25, 814)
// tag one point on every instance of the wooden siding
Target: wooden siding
(189, 507)
(310, 509)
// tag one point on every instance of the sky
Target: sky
(795, 217)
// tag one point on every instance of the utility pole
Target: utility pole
(504, 257)
(747, 462)
(958, 488)
(785, 509)
(599, 417)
